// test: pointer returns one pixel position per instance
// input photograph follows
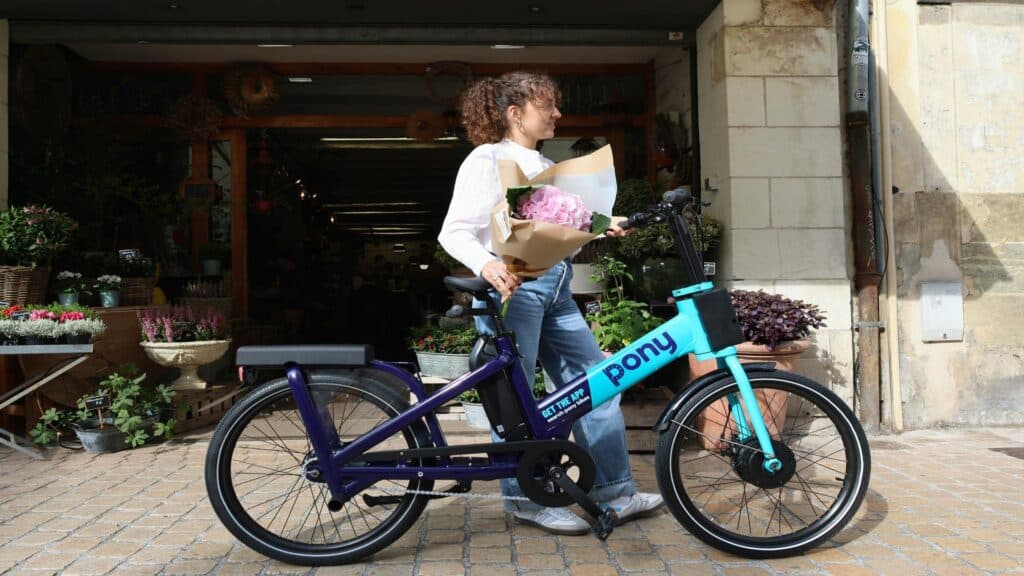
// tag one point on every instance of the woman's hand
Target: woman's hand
(504, 281)
(614, 231)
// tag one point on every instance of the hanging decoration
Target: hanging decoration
(249, 89)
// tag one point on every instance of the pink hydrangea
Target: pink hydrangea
(549, 204)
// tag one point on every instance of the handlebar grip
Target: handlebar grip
(677, 196)
(634, 221)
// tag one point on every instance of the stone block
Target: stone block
(745, 97)
(754, 254)
(938, 103)
(938, 217)
(807, 203)
(992, 218)
(749, 201)
(992, 268)
(799, 101)
(799, 12)
(742, 12)
(833, 297)
(813, 253)
(785, 152)
(773, 51)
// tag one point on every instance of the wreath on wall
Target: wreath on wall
(194, 118)
(250, 89)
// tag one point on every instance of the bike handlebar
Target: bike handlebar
(673, 201)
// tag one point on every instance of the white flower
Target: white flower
(94, 327)
(38, 328)
(67, 275)
(9, 328)
(109, 279)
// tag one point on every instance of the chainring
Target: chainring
(535, 481)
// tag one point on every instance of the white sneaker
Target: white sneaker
(636, 506)
(554, 520)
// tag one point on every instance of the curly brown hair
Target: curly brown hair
(483, 103)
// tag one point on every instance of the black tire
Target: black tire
(719, 459)
(236, 506)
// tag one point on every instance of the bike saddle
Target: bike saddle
(476, 286)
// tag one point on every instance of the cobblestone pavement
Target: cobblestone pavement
(941, 502)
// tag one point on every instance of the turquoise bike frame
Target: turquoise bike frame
(682, 335)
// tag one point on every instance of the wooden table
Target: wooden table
(77, 353)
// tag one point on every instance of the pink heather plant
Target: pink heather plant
(549, 204)
(181, 324)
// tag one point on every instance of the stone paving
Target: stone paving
(941, 502)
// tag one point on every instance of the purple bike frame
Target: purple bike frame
(344, 483)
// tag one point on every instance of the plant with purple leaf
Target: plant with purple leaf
(770, 319)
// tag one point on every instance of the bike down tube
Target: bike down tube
(389, 427)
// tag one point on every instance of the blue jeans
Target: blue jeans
(548, 325)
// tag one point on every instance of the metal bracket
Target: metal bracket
(873, 324)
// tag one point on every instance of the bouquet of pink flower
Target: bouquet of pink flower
(545, 219)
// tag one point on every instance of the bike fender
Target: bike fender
(699, 384)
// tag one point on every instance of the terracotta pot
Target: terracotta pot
(712, 422)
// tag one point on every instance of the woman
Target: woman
(506, 117)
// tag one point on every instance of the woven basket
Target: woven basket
(24, 285)
(137, 291)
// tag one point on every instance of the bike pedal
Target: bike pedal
(604, 524)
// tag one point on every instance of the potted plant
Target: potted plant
(776, 330)
(109, 288)
(40, 328)
(619, 321)
(443, 352)
(29, 238)
(184, 339)
(653, 253)
(213, 256)
(69, 287)
(138, 277)
(76, 327)
(122, 413)
(9, 332)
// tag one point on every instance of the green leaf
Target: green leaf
(599, 223)
(514, 193)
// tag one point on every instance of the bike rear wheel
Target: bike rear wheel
(255, 480)
(711, 475)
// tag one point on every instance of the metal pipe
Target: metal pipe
(867, 278)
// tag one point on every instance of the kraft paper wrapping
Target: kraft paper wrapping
(530, 247)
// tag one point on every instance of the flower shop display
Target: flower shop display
(122, 413)
(29, 238)
(182, 338)
(443, 352)
(54, 324)
(69, 287)
(618, 321)
(545, 219)
(109, 288)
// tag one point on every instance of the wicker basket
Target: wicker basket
(23, 285)
(137, 291)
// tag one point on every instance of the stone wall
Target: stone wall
(771, 142)
(958, 160)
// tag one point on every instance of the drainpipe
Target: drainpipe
(895, 408)
(867, 277)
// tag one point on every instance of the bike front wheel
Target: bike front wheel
(256, 483)
(711, 474)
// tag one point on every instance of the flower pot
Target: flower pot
(101, 440)
(110, 298)
(448, 366)
(476, 417)
(36, 341)
(581, 282)
(774, 403)
(188, 356)
(211, 267)
(67, 298)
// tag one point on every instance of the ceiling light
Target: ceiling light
(424, 266)
(142, 41)
(384, 139)
(274, 45)
(507, 46)
(300, 79)
(378, 212)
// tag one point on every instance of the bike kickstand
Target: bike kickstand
(605, 519)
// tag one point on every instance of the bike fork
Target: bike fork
(764, 440)
(324, 438)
